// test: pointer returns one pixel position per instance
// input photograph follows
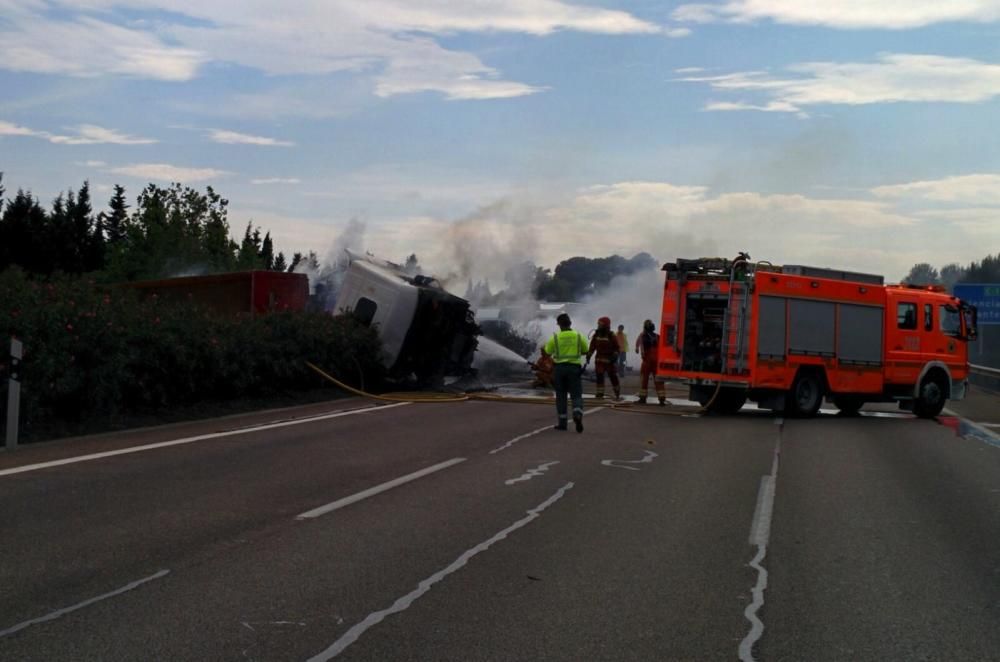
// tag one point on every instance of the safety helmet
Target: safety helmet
(648, 325)
(604, 321)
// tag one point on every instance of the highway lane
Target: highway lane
(628, 542)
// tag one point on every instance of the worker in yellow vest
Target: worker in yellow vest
(567, 348)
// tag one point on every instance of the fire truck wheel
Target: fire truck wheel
(848, 404)
(806, 395)
(932, 397)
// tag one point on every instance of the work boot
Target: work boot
(598, 396)
(663, 401)
(618, 395)
(642, 399)
(561, 425)
(578, 419)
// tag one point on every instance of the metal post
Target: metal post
(14, 393)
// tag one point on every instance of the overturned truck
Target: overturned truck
(427, 333)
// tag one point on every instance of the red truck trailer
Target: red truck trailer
(249, 292)
(786, 337)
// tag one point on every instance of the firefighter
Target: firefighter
(604, 346)
(647, 346)
(566, 348)
(622, 348)
(543, 370)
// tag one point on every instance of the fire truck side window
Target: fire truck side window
(928, 317)
(906, 315)
(950, 321)
(365, 311)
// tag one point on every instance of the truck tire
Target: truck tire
(848, 404)
(931, 397)
(806, 395)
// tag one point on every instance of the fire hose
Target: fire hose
(434, 398)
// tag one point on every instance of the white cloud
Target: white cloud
(276, 180)
(168, 173)
(894, 78)
(234, 138)
(10, 129)
(376, 37)
(89, 134)
(976, 189)
(677, 33)
(92, 164)
(85, 134)
(848, 14)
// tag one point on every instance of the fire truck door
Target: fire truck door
(903, 339)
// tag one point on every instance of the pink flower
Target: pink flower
(69, 327)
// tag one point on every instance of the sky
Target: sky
(475, 133)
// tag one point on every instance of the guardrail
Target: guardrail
(985, 377)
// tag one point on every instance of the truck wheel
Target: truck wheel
(806, 395)
(848, 404)
(932, 397)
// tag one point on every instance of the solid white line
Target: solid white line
(534, 432)
(190, 440)
(650, 456)
(378, 489)
(532, 473)
(86, 603)
(404, 602)
(760, 536)
(519, 438)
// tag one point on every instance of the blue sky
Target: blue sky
(857, 135)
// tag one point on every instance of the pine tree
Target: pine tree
(296, 260)
(279, 263)
(266, 255)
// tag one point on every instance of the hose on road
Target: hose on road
(432, 398)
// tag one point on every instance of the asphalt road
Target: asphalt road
(647, 537)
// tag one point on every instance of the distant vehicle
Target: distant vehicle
(786, 337)
(426, 332)
(249, 292)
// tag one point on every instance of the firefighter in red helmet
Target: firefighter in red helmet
(604, 346)
(647, 346)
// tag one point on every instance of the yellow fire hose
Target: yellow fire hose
(427, 397)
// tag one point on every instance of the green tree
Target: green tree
(922, 274)
(279, 263)
(23, 233)
(266, 255)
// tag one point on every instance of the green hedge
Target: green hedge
(95, 353)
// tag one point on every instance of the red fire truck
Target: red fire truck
(788, 336)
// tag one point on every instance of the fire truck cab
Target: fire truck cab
(786, 337)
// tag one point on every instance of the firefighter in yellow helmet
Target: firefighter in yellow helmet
(567, 348)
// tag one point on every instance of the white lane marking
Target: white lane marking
(760, 536)
(190, 440)
(650, 455)
(990, 425)
(378, 489)
(86, 603)
(534, 432)
(425, 585)
(532, 473)
(519, 438)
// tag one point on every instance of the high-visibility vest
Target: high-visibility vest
(566, 347)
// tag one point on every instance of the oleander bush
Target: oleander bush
(95, 352)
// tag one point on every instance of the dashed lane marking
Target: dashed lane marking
(191, 440)
(378, 489)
